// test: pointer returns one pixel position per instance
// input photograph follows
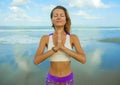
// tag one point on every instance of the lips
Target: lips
(58, 21)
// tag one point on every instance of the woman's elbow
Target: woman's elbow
(84, 60)
(35, 62)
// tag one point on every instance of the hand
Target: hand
(59, 44)
(59, 37)
(59, 41)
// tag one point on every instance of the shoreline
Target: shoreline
(110, 40)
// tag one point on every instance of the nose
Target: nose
(58, 18)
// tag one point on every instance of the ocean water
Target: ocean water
(19, 44)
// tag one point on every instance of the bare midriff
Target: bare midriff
(60, 69)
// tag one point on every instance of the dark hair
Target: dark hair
(68, 20)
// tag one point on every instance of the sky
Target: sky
(37, 12)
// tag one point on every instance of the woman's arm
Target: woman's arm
(79, 54)
(40, 56)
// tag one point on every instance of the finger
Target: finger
(59, 40)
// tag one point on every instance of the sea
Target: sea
(18, 45)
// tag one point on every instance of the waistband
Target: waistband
(60, 79)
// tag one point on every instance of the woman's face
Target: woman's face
(58, 18)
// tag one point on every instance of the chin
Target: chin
(59, 25)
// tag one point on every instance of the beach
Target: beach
(18, 47)
(111, 40)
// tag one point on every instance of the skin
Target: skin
(59, 68)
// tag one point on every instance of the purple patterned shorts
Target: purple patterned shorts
(53, 80)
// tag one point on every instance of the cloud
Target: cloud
(50, 7)
(16, 9)
(20, 2)
(23, 58)
(94, 61)
(19, 15)
(85, 15)
(99, 4)
(86, 3)
(96, 57)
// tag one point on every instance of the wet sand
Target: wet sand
(111, 40)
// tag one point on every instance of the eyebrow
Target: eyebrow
(57, 14)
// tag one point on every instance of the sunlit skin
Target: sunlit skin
(59, 19)
(61, 68)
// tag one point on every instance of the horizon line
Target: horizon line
(51, 26)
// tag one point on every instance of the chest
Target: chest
(52, 42)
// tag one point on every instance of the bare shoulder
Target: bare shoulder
(44, 39)
(73, 37)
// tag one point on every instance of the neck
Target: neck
(59, 29)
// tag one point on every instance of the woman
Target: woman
(60, 44)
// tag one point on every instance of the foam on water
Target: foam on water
(19, 39)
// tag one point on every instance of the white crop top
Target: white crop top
(59, 55)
